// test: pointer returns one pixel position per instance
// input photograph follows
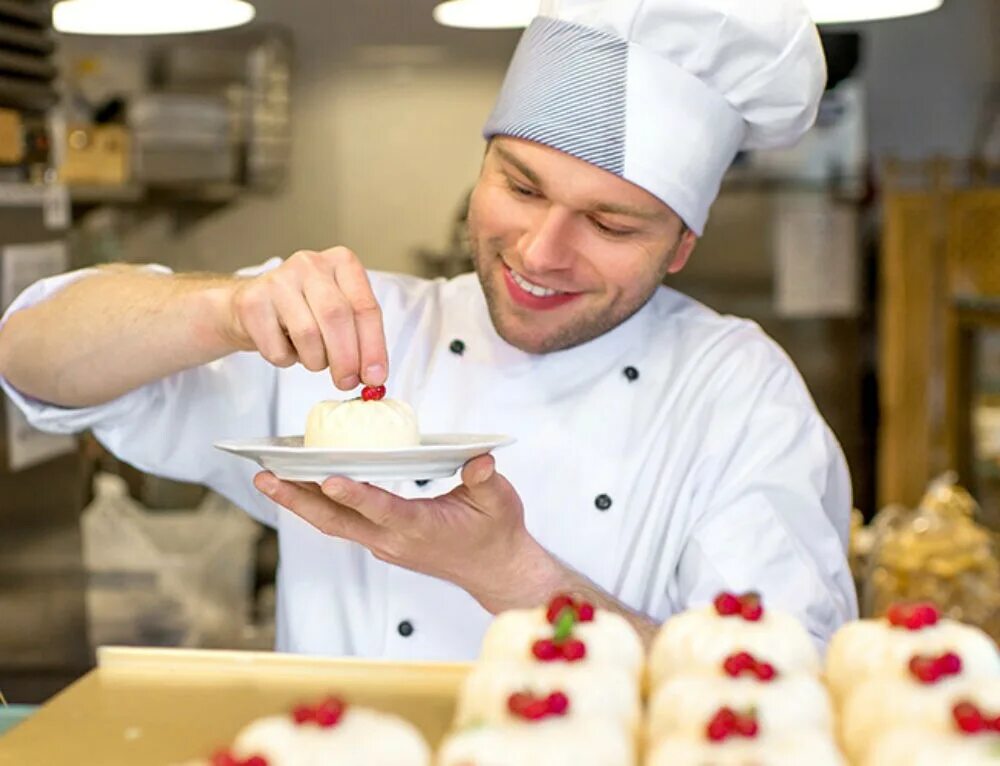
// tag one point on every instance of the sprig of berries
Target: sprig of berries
(531, 708)
(929, 669)
(913, 616)
(563, 614)
(971, 720)
(747, 606)
(583, 611)
(744, 663)
(325, 715)
(727, 723)
(226, 758)
(372, 393)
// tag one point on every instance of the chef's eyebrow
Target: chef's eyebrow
(528, 173)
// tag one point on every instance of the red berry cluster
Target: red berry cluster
(583, 611)
(745, 663)
(226, 758)
(326, 714)
(747, 606)
(563, 614)
(728, 723)
(532, 708)
(971, 720)
(550, 650)
(913, 616)
(929, 669)
(372, 393)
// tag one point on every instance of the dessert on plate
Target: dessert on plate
(973, 739)
(366, 422)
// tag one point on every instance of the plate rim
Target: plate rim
(484, 441)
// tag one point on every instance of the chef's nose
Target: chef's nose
(546, 244)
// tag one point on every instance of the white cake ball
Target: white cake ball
(552, 742)
(608, 638)
(790, 749)
(361, 737)
(912, 746)
(699, 640)
(359, 424)
(882, 704)
(603, 691)
(682, 705)
(867, 648)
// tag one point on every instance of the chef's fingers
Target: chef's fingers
(382, 508)
(329, 518)
(260, 320)
(334, 320)
(302, 329)
(353, 281)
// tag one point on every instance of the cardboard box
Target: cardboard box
(96, 154)
(11, 138)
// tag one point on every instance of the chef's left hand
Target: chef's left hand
(474, 536)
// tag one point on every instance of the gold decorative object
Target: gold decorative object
(936, 553)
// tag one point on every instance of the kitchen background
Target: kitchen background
(871, 252)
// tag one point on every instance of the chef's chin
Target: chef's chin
(541, 332)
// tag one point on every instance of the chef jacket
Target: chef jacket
(678, 455)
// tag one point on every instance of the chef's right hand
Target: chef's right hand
(317, 309)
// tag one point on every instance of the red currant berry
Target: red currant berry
(949, 664)
(255, 760)
(765, 671)
(726, 604)
(747, 726)
(224, 758)
(738, 663)
(556, 606)
(968, 718)
(586, 612)
(545, 649)
(924, 669)
(558, 703)
(574, 650)
(372, 393)
(303, 714)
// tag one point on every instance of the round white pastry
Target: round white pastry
(357, 424)
(609, 638)
(699, 640)
(916, 747)
(603, 692)
(553, 742)
(867, 648)
(775, 750)
(882, 704)
(682, 705)
(362, 737)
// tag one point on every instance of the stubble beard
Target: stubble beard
(581, 328)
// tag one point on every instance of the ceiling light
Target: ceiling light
(148, 17)
(505, 14)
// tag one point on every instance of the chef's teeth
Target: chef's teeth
(540, 292)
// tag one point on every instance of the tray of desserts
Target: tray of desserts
(729, 683)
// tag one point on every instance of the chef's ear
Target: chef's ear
(682, 250)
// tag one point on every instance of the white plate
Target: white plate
(437, 456)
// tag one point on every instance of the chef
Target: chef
(664, 452)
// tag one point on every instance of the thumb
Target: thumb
(487, 489)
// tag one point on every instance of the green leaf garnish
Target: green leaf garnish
(565, 623)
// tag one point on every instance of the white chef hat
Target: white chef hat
(664, 93)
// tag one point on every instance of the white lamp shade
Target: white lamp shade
(843, 11)
(148, 17)
(505, 14)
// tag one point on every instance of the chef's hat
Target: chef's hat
(664, 93)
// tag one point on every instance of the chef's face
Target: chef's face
(566, 251)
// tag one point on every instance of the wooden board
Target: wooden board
(157, 707)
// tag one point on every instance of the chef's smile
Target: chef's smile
(532, 295)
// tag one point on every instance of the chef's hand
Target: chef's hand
(317, 309)
(474, 536)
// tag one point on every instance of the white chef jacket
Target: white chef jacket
(674, 457)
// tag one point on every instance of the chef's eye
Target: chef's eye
(610, 230)
(521, 191)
